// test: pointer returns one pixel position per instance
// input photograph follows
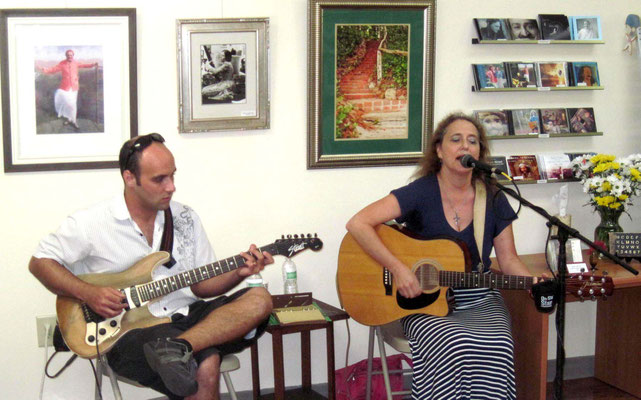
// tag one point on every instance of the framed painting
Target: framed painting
(69, 96)
(370, 83)
(223, 74)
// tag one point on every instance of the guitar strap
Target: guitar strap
(167, 241)
(479, 220)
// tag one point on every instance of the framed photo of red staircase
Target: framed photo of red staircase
(370, 90)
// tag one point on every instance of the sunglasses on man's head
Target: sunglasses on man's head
(142, 143)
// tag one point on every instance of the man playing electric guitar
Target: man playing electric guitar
(180, 358)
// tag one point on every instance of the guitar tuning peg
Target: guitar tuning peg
(581, 299)
(289, 236)
(593, 298)
(309, 235)
(592, 278)
(605, 273)
(295, 236)
(282, 236)
(302, 236)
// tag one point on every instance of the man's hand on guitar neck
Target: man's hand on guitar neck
(106, 301)
(255, 261)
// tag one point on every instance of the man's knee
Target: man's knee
(261, 301)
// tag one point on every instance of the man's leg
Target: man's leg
(231, 321)
(216, 328)
(208, 378)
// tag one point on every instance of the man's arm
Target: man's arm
(105, 301)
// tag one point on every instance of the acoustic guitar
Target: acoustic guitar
(367, 290)
(88, 334)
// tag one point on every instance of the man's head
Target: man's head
(69, 55)
(147, 169)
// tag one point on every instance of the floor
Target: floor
(588, 389)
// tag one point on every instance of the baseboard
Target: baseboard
(574, 368)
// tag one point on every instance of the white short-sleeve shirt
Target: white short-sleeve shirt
(104, 238)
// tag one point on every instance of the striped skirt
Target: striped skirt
(465, 355)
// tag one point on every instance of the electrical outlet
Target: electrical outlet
(41, 326)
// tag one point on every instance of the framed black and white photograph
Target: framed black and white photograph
(582, 120)
(586, 28)
(69, 95)
(554, 120)
(524, 29)
(490, 76)
(525, 121)
(554, 27)
(521, 74)
(553, 74)
(223, 74)
(585, 74)
(492, 29)
(495, 122)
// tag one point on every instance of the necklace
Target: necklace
(457, 218)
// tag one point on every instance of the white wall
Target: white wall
(254, 186)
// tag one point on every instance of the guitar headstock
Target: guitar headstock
(291, 245)
(586, 285)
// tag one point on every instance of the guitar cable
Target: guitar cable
(93, 368)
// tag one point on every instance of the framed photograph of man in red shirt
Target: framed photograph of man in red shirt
(69, 93)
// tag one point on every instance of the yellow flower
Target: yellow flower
(623, 197)
(606, 186)
(636, 175)
(615, 205)
(602, 158)
(606, 166)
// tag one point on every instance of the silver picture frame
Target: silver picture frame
(223, 71)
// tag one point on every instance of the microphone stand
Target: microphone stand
(564, 232)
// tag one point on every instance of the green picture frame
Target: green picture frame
(369, 141)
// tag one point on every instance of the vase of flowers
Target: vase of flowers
(610, 182)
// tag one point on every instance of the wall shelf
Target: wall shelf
(532, 182)
(544, 136)
(539, 42)
(538, 89)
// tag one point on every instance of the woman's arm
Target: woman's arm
(509, 261)
(362, 225)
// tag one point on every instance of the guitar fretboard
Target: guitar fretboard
(161, 287)
(476, 280)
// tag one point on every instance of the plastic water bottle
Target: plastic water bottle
(255, 280)
(289, 277)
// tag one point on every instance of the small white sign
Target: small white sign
(577, 268)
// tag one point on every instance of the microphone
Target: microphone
(470, 162)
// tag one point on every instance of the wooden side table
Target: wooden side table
(277, 332)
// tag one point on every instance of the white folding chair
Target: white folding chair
(393, 335)
(229, 363)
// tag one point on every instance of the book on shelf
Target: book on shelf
(555, 27)
(524, 29)
(582, 120)
(489, 76)
(525, 121)
(495, 122)
(584, 73)
(554, 120)
(552, 74)
(555, 166)
(499, 162)
(521, 74)
(492, 28)
(296, 308)
(524, 167)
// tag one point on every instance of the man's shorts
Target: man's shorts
(127, 358)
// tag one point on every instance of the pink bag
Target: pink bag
(351, 381)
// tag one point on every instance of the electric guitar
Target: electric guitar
(88, 334)
(367, 292)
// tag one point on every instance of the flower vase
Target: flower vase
(609, 223)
